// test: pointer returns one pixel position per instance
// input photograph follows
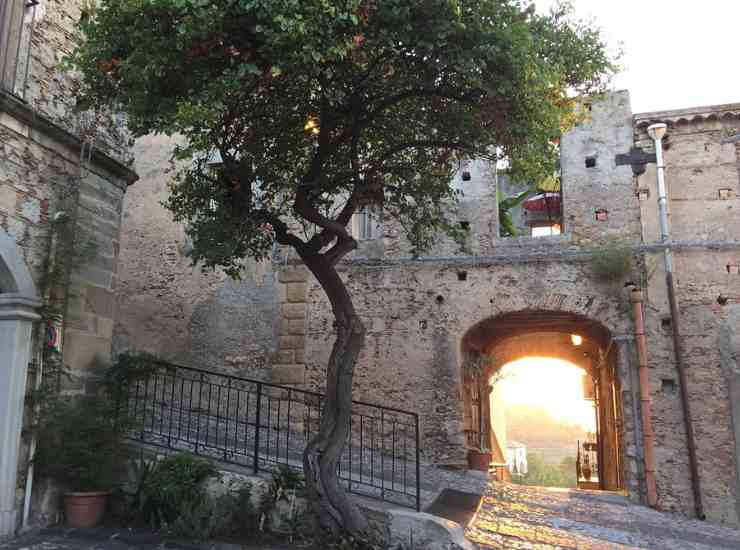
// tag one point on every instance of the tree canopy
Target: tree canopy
(294, 114)
(312, 102)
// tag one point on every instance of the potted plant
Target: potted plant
(81, 445)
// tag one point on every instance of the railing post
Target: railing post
(258, 421)
(418, 466)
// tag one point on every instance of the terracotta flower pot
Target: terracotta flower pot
(478, 460)
(85, 509)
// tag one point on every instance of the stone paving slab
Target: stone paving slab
(537, 518)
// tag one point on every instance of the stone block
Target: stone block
(288, 374)
(99, 301)
(296, 292)
(297, 327)
(7, 199)
(85, 351)
(293, 275)
(292, 342)
(284, 356)
(282, 292)
(294, 311)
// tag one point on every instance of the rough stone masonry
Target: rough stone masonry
(418, 311)
(61, 173)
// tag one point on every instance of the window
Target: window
(546, 230)
(16, 27)
(363, 224)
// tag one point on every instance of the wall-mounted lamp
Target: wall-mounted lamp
(577, 339)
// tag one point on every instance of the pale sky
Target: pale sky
(677, 53)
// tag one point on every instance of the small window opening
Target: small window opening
(668, 385)
(725, 194)
(722, 300)
(665, 323)
(440, 299)
(465, 226)
(466, 176)
(602, 215)
(363, 224)
(462, 275)
(590, 162)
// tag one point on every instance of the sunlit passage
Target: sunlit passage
(544, 421)
(542, 401)
(551, 385)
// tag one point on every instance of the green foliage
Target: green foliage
(175, 485)
(80, 442)
(169, 494)
(613, 263)
(541, 474)
(320, 108)
(506, 223)
(284, 481)
(126, 368)
(139, 508)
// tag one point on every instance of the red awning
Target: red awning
(543, 202)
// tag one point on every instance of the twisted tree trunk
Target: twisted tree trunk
(333, 508)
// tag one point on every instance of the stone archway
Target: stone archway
(18, 304)
(503, 339)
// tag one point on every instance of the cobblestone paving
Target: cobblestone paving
(535, 518)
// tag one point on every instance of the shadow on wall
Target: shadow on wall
(236, 329)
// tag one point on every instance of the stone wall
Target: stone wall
(417, 310)
(49, 90)
(63, 176)
(704, 208)
(172, 308)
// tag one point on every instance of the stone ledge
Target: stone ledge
(22, 112)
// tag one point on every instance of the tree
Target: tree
(318, 108)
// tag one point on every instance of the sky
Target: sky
(677, 53)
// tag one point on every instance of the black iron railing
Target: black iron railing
(261, 426)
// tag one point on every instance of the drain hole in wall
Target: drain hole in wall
(462, 275)
(590, 162)
(440, 299)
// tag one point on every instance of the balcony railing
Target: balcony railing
(17, 19)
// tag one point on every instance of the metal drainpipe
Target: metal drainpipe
(645, 403)
(656, 132)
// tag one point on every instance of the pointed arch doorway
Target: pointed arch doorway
(18, 305)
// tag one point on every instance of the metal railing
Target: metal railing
(262, 426)
(17, 19)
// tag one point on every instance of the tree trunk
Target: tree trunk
(334, 510)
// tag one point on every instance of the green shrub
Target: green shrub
(230, 514)
(80, 442)
(285, 480)
(612, 263)
(174, 485)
